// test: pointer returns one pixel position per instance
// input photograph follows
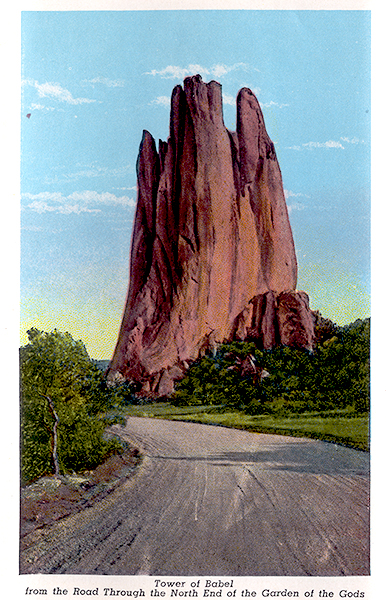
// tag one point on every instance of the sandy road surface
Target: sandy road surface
(215, 501)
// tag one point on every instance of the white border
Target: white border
(12, 585)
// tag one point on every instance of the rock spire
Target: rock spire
(212, 255)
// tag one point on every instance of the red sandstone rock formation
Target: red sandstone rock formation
(212, 254)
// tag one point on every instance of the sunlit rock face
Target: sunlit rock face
(212, 255)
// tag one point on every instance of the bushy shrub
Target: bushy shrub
(64, 398)
(123, 394)
(217, 379)
(335, 375)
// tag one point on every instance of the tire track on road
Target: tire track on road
(210, 500)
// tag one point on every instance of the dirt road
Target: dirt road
(215, 501)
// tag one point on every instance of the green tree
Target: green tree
(336, 375)
(63, 401)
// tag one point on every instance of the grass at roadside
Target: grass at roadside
(340, 426)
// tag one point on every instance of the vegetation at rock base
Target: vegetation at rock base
(324, 394)
(335, 376)
(64, 402)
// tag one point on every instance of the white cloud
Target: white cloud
(56, 91)
(90, 171)
(41, 107)
(162, 101)
(290, 194)
(40, 229)
(127, 189)
(178, 72)
(77, 202)
(328, 144)
(295, 206)
(256, 91)
(292, 206)
(228, 99)
(106, 81)
(221, 69)
(170, 72)
(272, 103)
(90, 197)
(34, 228)
(40, 206)
(44, 196)
(353, 140)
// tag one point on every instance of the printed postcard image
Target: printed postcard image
(194, 348)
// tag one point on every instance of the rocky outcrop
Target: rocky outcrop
(273, 319)
(212, 253)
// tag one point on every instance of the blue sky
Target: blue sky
(92, 81)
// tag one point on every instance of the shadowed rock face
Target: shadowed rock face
(212, 254)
